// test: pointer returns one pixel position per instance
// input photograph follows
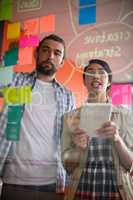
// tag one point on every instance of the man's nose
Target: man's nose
(51, 54)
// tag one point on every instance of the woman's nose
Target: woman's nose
(96, 74)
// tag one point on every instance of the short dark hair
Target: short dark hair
(104, 64)
(55, 38)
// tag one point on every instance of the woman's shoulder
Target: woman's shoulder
(73, 113)
(123, 110)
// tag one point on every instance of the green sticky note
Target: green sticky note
(11, 57)
(17, 95)
(14, 116)
(13, 131)
(6, 9)
(6, 75)
(14, 113)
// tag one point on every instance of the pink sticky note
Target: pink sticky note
(28, 41)
(25, 56)
(33, 41)
(121, 94)
(47, 24)
(23, 42)
(31, 26)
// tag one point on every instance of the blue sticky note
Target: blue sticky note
(6, 75)
(87, 15)
(11, 57)
(86, 2)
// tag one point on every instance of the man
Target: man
(35, 165)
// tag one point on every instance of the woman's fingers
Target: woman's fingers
(107, 130)
(80, 138)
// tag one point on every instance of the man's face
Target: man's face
(49, 57)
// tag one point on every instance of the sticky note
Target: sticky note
(1, 104)
(47, 24)
(24, 68)
(33, 41)
(6, 9)
(6, 43)
(11, 57)
(13, 31)
(86, 2)
(25, 55)
(6, 75)
(28, 41)
(31, 27)
(87, 15)
(1, 34)
(14, 113)
(14, 116)
(17, 95)
(121, 94)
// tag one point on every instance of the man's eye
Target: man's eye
(57, 53)
(44, 50)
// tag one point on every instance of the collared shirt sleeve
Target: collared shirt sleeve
(127, 130)
(19, 79)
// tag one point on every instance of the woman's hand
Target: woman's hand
(109, 130)
(80, 138)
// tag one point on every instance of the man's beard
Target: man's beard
(46, 68)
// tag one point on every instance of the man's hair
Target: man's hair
(55, 38)
(105, 66)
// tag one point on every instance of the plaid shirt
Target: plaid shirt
(65, 103)
(98, 180)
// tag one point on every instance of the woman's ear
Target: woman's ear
(84, 81)
(109, 84)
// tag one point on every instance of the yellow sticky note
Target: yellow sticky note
(17, 95)
(13, 31)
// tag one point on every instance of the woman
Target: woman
(93, 164)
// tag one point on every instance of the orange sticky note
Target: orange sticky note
(13, 31)
(24, 68)
(25, 55)
(1, 103)
(47, 24)
(5, 44)
(31, 27)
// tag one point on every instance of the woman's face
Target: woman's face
(96, 79)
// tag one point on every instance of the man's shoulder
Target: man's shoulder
(23, 74)
(62, 88)
(21, 78)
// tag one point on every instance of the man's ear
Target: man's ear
(62, 63)
(35, 54)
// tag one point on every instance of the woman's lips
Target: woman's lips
(96, 84)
